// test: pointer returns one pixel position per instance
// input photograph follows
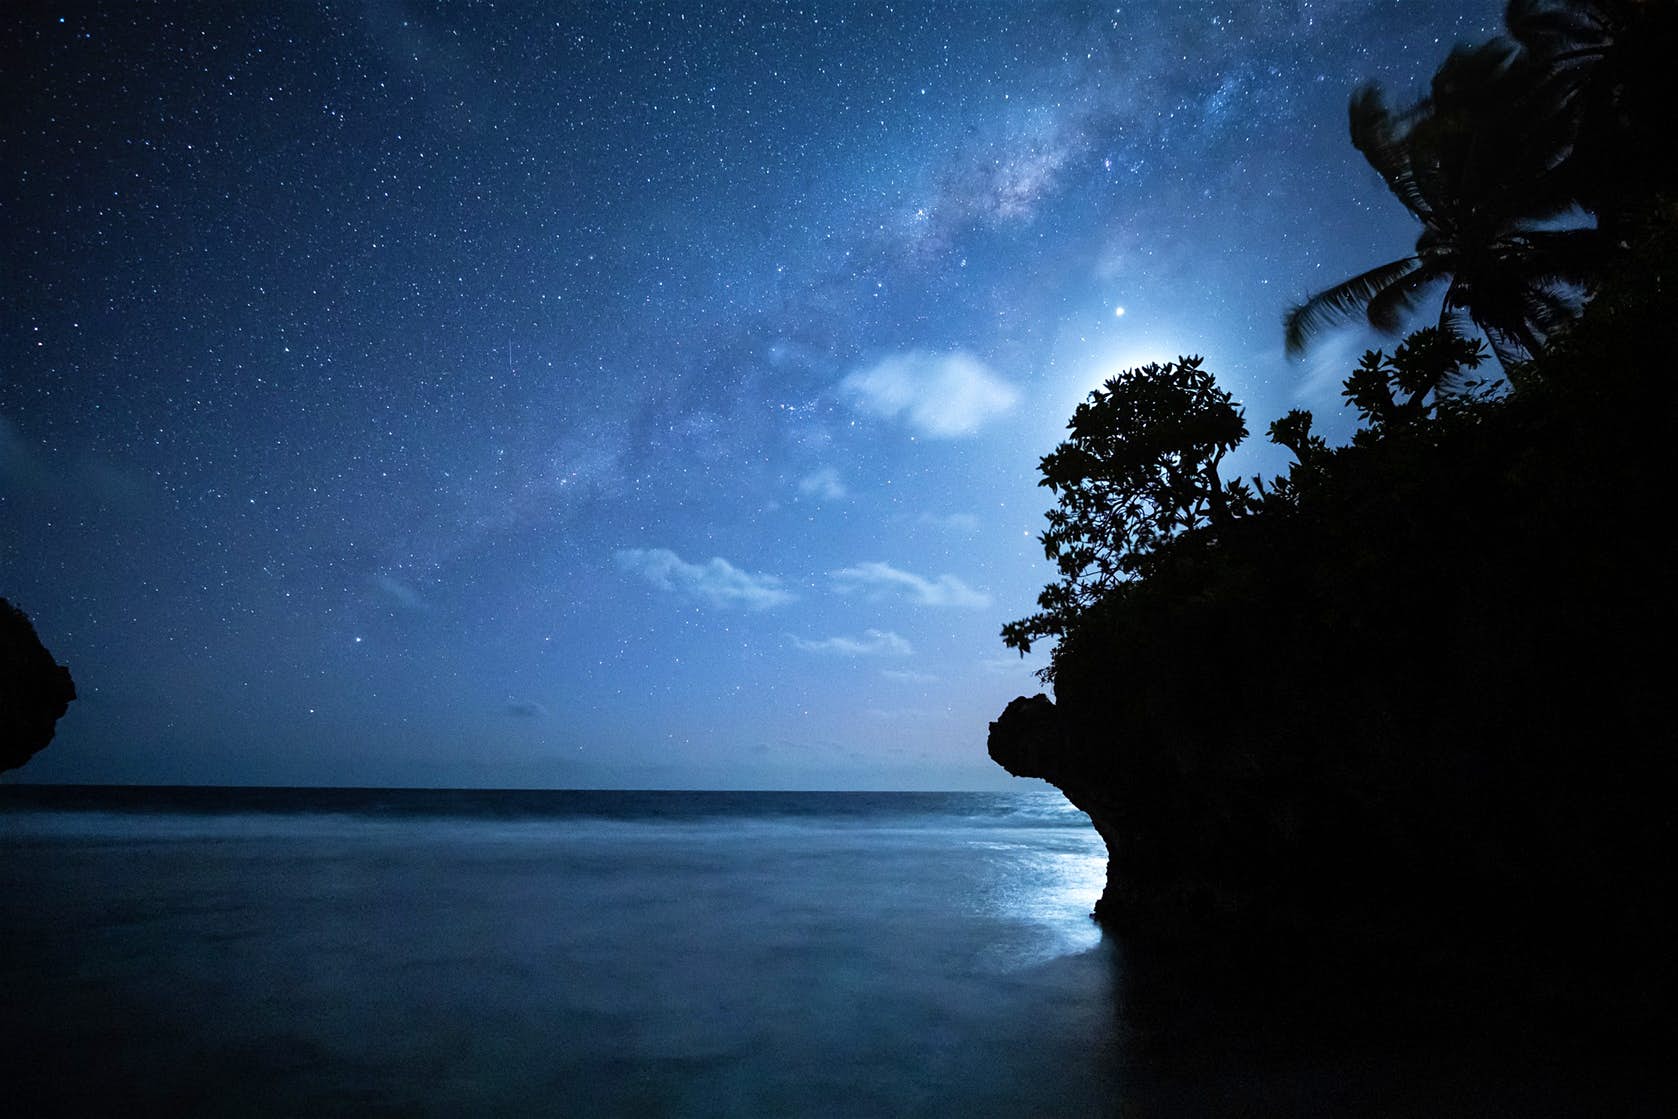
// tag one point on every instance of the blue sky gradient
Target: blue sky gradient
(480, 395)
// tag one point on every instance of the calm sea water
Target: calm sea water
(374, 952)
(211, 951)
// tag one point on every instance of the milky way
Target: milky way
(402, 394)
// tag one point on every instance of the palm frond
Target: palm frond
(1380, 137)
(1549, 28)
(1470, 76)
(1548, 310)
(1569, 256)
(1539, 198)
(1388, 308)
(1456, 322)
(1342, 301)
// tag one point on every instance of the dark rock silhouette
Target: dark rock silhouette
(1029, 740)
(35, 690)
(1396, 727)
(1413, 721)
(1026, 739)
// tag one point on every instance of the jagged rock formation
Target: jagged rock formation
(1030, 740)
(35, 690)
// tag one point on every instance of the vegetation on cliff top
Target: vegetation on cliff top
(1573, 112)
(1406, 694)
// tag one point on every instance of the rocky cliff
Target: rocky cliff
(1030, 740)
(35, 690)
(1417, 717)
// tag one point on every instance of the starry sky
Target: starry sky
(623, 395)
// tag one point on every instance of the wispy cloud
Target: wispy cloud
(951, 522)
(908, 676)
(883, 578)
(824, 484)
(716, 582)
(1013, 664)
(1328, 362)
(398, 591)
(940, 395)
(29, 470)
(526, 709)
(872, 643)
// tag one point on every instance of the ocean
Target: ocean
(315, 952)
(421, 952)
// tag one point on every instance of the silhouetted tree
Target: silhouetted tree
(1293, 431)
(1482, 176)
(1428, 368)
(1608, 79)
(1400, 712)
(1140, 467)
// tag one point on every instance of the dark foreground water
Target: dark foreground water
(337, 952)
(394, 952)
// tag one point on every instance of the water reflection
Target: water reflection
(934, 962)
(1047, 887)
(1178, 1037)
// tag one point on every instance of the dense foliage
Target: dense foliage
(1140, 467)
(1416, 701)
(1574, 110)
(1411, 694)
(1572, 113)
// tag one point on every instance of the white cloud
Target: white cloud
(942, 396)
(881, 578)
(872, 643)
(951, 522)
(716, 582)
(824, 485)
(908, 675)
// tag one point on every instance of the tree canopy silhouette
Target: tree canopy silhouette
(1140, 467)
(1400, 703)
(1608, 83)
(1484, 177)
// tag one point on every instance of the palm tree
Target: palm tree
(1483, 177)
(1609, 75)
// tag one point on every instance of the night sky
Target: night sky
(651, 396)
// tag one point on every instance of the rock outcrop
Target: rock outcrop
(1408, 724)
(1028, 740)
(1031, 740)
(35, 690)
